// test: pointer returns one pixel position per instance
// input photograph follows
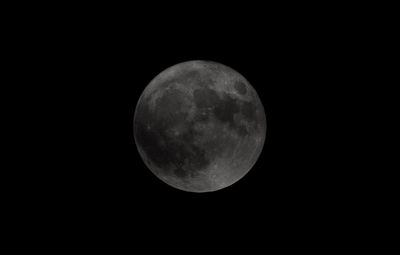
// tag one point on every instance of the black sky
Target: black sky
(297, 65)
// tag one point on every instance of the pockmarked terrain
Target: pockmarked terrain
(199, 126)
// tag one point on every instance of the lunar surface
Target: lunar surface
(199, 126)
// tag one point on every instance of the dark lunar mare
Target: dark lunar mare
(240, 87)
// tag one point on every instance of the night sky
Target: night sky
(295, 67)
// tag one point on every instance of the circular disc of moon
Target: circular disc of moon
(199, 126)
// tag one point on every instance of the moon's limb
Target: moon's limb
(230, 144)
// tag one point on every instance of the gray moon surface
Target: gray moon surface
(199, 126)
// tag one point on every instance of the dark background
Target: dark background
(96, 66)
(294, 69)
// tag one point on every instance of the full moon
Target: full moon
(199, 126)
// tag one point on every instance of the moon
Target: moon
(199, 126)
